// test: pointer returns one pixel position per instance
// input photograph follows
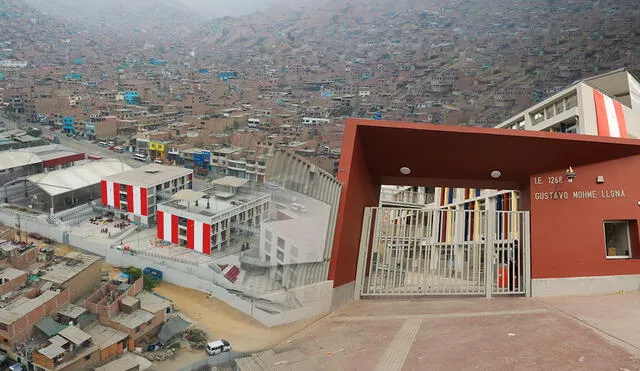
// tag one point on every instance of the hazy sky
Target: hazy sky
(221, 8)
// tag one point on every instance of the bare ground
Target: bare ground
(221, 321)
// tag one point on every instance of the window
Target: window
(88, 357)
(280, 255)
(549, 112)
(537, 117)
(267, 246)
(280, 243)
(149, 323)
(572, 101)
(617, 239)
(137, 329)
(267, 235)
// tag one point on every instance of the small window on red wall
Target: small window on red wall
(621, 239)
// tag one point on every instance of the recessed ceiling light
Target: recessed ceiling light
(496, 174)
(405, 170)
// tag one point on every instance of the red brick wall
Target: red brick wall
(25, 259)
(23, 327)
(84, 281)
(13, 284)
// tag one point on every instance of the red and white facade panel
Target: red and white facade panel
(136, 191)
(198, 234)
(136, 197)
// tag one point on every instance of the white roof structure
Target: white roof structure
(149, 175)
(188, 195)
(77, 177)
(231, 181)
(13, 159)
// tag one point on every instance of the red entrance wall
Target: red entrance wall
(360, 190)
(567, 235)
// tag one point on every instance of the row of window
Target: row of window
(554, 108)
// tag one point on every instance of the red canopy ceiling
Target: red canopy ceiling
(465, 156)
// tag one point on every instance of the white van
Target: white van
(217, 347)
(140, 157)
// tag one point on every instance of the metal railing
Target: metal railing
(392, 196)
(443, 252)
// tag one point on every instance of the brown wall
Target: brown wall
(82, 364)
(13, 284)
(567, 235)
(113, 350)
(107, 128)
(22, 328)
(84, 281)
(25, 259)
(145, 329)
(42, 360)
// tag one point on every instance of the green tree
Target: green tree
(133, 272)
(149, 283)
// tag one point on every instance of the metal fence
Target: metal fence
(406, 252)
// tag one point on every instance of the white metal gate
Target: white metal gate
(408, 252)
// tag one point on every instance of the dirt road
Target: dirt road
(224, 322)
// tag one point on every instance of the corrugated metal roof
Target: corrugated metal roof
(74, 335)
(52, 351)
(174, 326)
(49, 326)
(13, 159)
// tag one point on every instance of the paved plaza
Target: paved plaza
(570, 333)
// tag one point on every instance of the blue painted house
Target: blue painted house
(157, 62)
(225, 76)
(68, 124)
(131, 97)
(73, 76)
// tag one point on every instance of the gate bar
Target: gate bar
(361, 269)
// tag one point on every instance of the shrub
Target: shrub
(133, 272)
(196, 338)
(149, 283)
(176, 346)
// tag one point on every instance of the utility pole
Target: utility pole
(19, 229)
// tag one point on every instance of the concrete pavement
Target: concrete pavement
(571, 333)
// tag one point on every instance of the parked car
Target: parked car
(36, 236)
(217, 347)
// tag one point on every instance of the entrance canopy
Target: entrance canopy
(458, 156)
(374, 152)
